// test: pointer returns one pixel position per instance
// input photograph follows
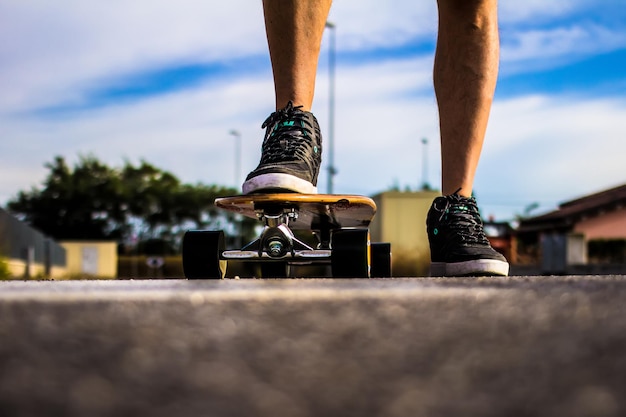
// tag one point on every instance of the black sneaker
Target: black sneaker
(291, 154)
(458, 245)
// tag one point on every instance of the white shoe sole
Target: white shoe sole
(469, 268)
(278, 181)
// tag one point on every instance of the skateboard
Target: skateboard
(339, 222)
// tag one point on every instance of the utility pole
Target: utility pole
(332, 171)
(238, 218)
(237, 135)
(425, 184)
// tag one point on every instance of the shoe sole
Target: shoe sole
(278, 181)
(478, 267)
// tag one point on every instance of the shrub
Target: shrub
(5, 273)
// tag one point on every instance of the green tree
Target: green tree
(94, 201)
(79, 203)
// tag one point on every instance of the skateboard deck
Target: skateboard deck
(311, 211)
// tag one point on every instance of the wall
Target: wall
(29, 253)
(611, 225)
(401, 220)
(22, 269)
(91, 258)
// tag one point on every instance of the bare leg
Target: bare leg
(291, 153)
(294, 34)
(465, 73)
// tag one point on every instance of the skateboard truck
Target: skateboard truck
(277, 240)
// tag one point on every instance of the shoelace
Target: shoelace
(286, 141)
(461, 215)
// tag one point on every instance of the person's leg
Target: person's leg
(292, 149)
(465, 73)
(294, 34)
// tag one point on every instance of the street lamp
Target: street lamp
(425, 184)
(331, 107)
(237, 135)
(238, 218)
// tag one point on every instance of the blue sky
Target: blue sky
(168, 81)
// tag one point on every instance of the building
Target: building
(27, 252)
(91, 259)
(579, 232)
(502, 238)
(401, 220)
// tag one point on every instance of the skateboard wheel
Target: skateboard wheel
(350, 253)
(201, 254)
(381, 260)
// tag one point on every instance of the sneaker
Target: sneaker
(291, 154)
(458, 245)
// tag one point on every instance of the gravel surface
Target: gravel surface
(522, 346)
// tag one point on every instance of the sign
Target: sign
(155, 262)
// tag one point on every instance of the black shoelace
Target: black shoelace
(288, 134)
(461, 215)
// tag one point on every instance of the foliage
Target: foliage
(135, 202)
(5, 273)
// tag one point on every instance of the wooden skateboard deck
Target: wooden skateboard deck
(313, 211)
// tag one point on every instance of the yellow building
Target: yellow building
(93, 259)
(401, 220)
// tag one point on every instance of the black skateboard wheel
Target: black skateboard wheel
(201, 254)
(381, 260)
(350, 253)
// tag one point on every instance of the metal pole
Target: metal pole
(425, 185)
(237, 218)
(331, 107)
(237, 136)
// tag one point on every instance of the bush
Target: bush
(5, 273)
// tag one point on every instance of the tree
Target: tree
(73, 204)
(94, 201)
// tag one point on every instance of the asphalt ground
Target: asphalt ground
(521, 346)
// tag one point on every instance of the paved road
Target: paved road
(395, 347)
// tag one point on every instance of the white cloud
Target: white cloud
(513, 11)
(551, 149)
(538, 147)
(547, 48)
(371, 24)
(59, 49)
(54, 52)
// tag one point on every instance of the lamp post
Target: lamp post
(331, 107)
(237, 135)
(238, 219)
(425, 184)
